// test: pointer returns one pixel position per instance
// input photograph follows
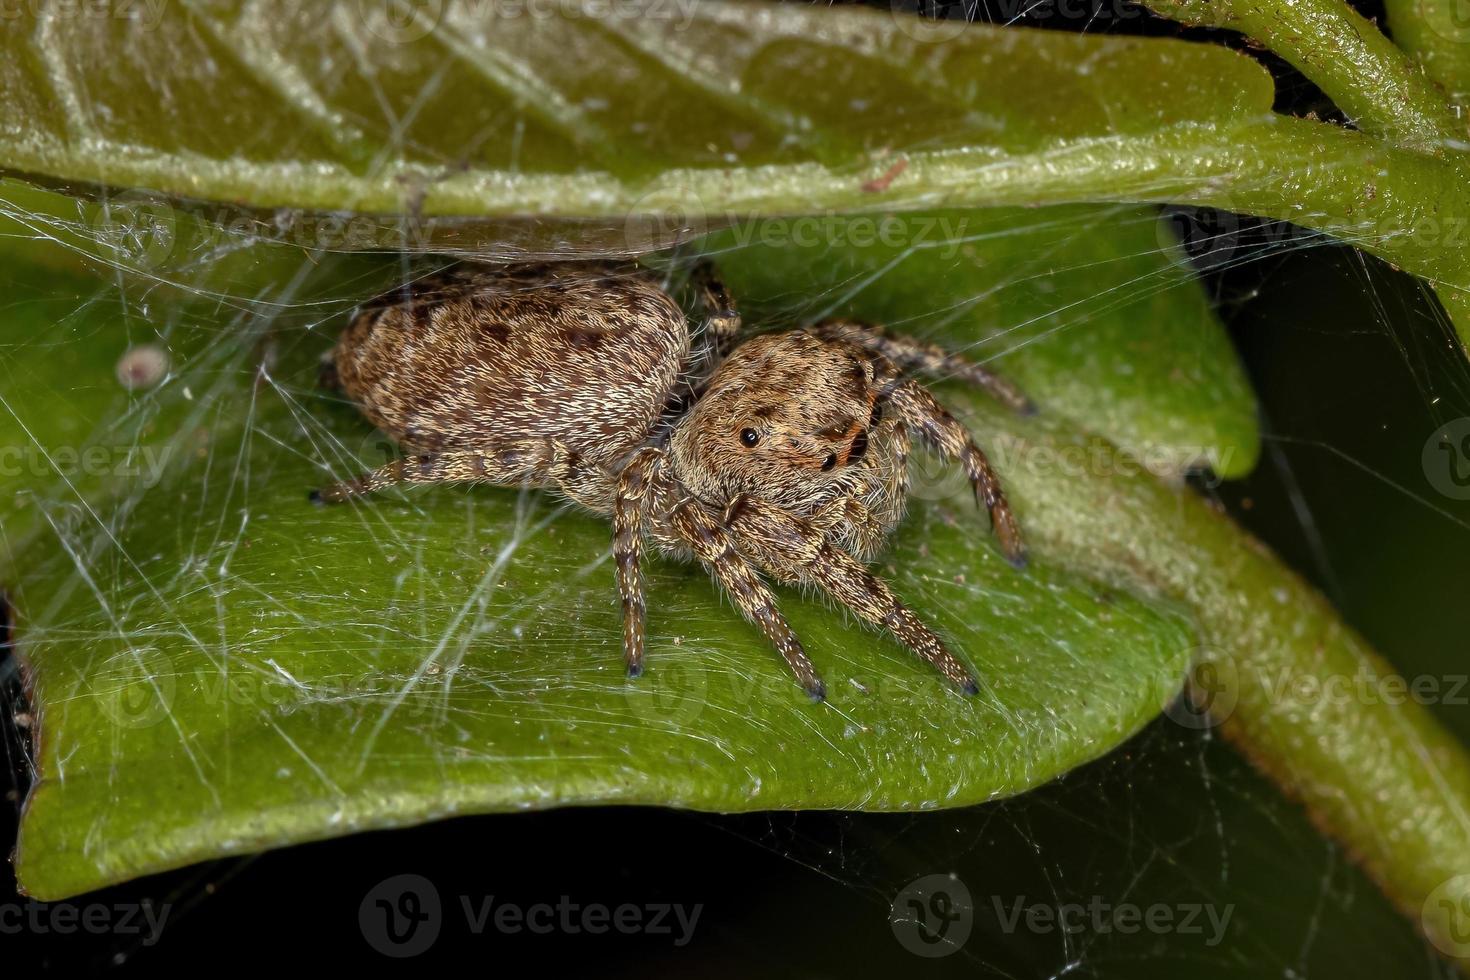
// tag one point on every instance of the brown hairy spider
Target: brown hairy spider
(785, 454)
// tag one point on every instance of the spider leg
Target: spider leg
(630, 509)
(523, 462)
(713, 545)
(943, 432)
(722, 319)
(795, 547)
(718, 334)
(930, 359)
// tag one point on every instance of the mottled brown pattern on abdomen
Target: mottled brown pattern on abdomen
(475, 350)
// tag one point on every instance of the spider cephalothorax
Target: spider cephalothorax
(785, 455)
(794, 421)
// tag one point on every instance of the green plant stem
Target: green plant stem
(1302, 695)
(1437, 34)
(1375, 83)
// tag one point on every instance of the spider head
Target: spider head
(783, 418)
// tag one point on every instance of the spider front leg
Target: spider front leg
(794, 548)
(722, 320)
(930, 359)
(715, 548)
(718, 333)
(943, 432)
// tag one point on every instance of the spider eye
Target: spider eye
(749, 436)
(829, 463)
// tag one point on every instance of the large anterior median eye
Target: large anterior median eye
(749, 436)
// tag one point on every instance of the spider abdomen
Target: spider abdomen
(479, 357)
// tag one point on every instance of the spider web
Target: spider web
(1354, 374)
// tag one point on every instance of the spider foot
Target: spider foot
(1003, 525)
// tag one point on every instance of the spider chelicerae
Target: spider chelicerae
(779, 455)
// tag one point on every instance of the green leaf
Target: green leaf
(220, 667)
(489, 113)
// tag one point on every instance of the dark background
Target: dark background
(1355, 369)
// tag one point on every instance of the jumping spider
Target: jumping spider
(784, 454)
